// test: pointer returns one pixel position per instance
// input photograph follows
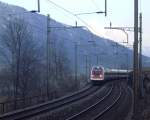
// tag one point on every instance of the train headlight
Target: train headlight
(100, 76)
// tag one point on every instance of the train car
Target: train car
(115, 74)
(101, 75)
(97, 74)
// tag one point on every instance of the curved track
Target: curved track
(38, 109)
(105, 107)
(98, 109)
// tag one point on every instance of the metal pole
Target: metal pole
(56, 66)
(127, 54)
(48, 56)
(76, 24)
(105, 7)
(86, 67)
(89, 66)
(140, 57)
(136, 63)
(126, 36)
(76, 65)
(38, 5)
(127, 65)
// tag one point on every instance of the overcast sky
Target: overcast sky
(120, 13)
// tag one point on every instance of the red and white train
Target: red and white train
(99, 74)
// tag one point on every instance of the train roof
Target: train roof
(117, 70)
(97, 67)
(111, 70)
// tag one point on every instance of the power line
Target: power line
(65, 14)
(72, 15)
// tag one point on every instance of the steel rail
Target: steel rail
(70, 95)
(51, 105)
(92, 106)
(109, 107)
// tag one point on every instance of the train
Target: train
(99, 74)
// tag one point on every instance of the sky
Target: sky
(120, 13)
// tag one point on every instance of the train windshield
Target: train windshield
(97, 71)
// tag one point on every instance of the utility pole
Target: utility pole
(56, 64)
(76, 64)
(48, 55)
(136, 62)
(140, 57)
(105, 8)
(89, 66)
(86, 67)
(38, 5)
(115, 52)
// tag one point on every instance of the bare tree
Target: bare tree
(64, 80)
(22, 55)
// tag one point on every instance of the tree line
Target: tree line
(23, 72)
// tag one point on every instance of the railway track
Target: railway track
(106, 109)
(97, 110)
(100, 110)
(39, 109)
(75, 107)
(120, 108)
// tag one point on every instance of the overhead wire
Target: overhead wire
(107, 20)
(72, 14)
(54, 7)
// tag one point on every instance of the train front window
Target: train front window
(97, 71)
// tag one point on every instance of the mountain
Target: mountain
(71, 39)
